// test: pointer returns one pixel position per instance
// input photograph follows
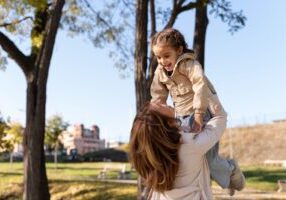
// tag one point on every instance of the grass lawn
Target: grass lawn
(263, 178)
(78, 181)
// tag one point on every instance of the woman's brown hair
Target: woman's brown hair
(154, 145)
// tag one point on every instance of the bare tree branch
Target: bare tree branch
(189, 6)
(97, 14)
(173, 16)
(14, 52)
(181, 2)
(16, 21)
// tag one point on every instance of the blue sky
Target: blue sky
(248, 70)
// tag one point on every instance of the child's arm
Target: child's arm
(158, 90)
(200, 100)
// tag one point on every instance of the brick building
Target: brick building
(82, 140)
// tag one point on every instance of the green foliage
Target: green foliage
(4, 143)
(101, 21)
(3, 61)
(223, 9)
(10, 134)
(40, 4)
(14, 133)
(264, 178)
(54, 127)
(2, 133)
(15, 17)
(115, 155)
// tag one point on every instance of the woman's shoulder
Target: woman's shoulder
(187, 137)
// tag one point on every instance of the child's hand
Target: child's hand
(198, 123)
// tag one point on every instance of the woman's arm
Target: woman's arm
(212, 131)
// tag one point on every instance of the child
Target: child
(179, 74)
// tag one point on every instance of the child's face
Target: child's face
(167, 55)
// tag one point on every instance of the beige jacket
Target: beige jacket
(188, 86)
(192, 181)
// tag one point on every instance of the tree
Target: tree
(35, 66)
(14, 135)
(3, 142)
(54, 128)
(221, 9)
(36, 22)
(201, 23)
(144, 66)
(144, 70)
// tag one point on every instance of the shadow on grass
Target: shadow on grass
(108, 196)
(74, 168)
(13, 192)
(91, 190)
(11, 173)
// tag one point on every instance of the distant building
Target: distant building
(113, 144)
(279, 121)
(81, 140)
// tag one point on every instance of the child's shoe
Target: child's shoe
(237, 179)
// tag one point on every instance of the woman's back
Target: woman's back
(173, 164)
(193, 178)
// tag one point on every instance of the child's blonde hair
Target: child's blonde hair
(171, 37)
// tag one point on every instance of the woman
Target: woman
(172, 163)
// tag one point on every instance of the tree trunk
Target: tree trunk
(35, 178)
(200, 33)
(144, 70)
(11, 157)
(141, 48)
(56, 155)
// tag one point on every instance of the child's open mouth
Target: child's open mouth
(168, 67)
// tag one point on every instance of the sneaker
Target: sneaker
(237, 179)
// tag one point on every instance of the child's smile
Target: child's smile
(166, 56)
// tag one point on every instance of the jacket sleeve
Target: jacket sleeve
(213, 130)
(158, 90)
(200, 86)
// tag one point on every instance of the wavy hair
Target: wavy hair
(154, 145)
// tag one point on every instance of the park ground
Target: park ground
(79, 181)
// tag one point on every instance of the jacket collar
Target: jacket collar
(184, 56)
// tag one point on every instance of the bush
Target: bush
(114, 155)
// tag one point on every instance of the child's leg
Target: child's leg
(220, 169)
(225, 172)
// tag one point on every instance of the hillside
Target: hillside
(254, 144)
